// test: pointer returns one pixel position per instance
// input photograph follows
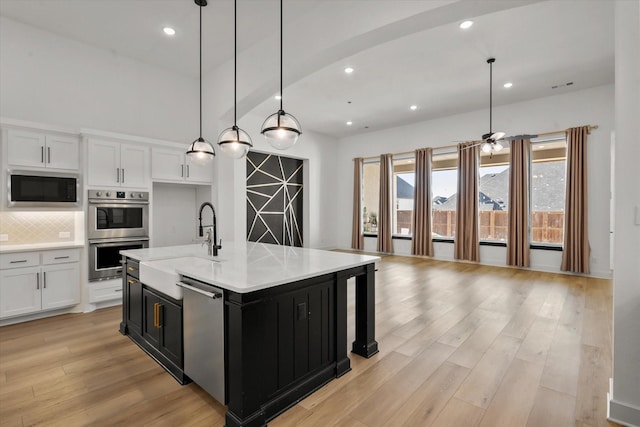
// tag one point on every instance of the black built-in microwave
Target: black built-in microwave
(43, 189)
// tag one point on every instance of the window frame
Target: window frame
(447, 151)
(561, 137)
(394, 196)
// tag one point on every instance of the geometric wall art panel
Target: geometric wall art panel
(274, 199)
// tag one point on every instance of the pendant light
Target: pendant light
(281, 129)
(233, 141)
(201, 150)
(490, 140)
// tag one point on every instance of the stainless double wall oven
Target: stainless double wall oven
(117, 220)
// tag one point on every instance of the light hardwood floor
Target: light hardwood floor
(460, 345)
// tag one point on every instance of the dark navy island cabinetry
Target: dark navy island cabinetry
(282, 341)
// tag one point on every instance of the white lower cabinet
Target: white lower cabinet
(20, 291)
(60, 286)
(53, 284)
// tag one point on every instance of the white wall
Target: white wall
(51, 79)
(174, 211)
(591, 106)
(624, 403)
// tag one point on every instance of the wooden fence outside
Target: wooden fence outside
(546, 226)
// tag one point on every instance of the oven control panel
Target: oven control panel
(106, 195)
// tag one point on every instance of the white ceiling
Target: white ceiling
(404, 51)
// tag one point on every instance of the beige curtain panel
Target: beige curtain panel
(357, 238)
(466, 241)
(518, 229)
(385, 242)
(421, 244)
(576, 251)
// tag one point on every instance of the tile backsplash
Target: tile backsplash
(17, 228)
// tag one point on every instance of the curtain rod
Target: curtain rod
(589, 128)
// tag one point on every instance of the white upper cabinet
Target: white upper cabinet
(117, 164)
(173, 165)
(37, 150)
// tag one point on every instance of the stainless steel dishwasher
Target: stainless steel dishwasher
(203, 317)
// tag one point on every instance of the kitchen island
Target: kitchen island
(283, 318)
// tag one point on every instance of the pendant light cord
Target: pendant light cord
(490, 97)
(281, 55)
(235, 59)
(200, 71)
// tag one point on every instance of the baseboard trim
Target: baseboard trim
(621, 413)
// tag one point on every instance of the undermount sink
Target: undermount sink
(161, 274)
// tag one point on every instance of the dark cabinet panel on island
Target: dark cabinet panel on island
(134, 306)
(282, 341)
(162, 326)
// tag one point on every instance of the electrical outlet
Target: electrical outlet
(64, 234)
(4, 237)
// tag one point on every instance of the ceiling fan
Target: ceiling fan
(490, 140)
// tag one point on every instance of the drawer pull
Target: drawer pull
(131, 269)
(118, 290)
(18, 261)
(61, 257)
(131, 281)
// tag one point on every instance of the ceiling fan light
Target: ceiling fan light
(201, 151)
(234, 142)
(497, 147)
(486, 147)
(281, 130)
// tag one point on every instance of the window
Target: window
(444, 185)
(371, 196)
(548, 168)
(493, 195)
(404, 175)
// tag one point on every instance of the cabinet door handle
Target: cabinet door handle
(182, 171)
(187, 171)
(159, 315)
(155, 315)
(18, 261)
(117, 174)
(42, 154)
(37, 280)
(48, 154)
(61, 257)
(122, 174)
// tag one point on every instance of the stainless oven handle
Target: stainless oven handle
(211, 295)
(117, 203)
(116, 242)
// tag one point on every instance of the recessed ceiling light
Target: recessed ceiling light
(169, 31)
(349, 123)
(508, 85)
(466, 24)
(348, 70)
(414, 107)
(278, 97)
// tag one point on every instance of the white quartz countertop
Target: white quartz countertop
(39, 247)
(246, 266)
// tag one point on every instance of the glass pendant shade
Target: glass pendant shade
(234, 142)
(281, 130)
(201, 151)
